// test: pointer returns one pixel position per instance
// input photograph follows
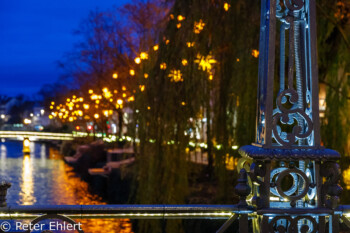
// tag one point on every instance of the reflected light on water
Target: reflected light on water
(71, 190)
(43, 154)
(27, 192)
(44, 178)
(3, 155)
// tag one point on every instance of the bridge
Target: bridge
(34, 135)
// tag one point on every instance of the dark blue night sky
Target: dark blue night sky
(34, 35)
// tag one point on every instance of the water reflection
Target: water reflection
(43, 178)
(27, 192)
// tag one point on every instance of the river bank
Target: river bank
(119, 185)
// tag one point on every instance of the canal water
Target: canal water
(43, 178)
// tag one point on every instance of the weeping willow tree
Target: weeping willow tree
(204, 66)
(334, 61)
(334, 70)
(201, 70)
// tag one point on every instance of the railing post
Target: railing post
(3, 192)
(243, 223)
(287, 151)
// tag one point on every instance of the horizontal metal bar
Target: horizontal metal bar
(345, 209)
(126, 211)
(295, 211)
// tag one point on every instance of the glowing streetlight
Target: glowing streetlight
(120, 101)
(137, 60)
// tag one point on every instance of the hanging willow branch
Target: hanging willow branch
(336, 24)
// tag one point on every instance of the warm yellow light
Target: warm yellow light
(255, 53)
(91, 91)
(97, 101)
(132, 72)
(51, 107)
(115, 76)
(124, 95)
(226, 6)
(144, 55)
(74, 97)
(105, 112)
(123, 88)
(178, 25)
(183, 103)
(27, 121)
(210, 77)
(96, 116)
(145, 75)
(180, 18)
(198, 26)
(120, 101)
(137, 60)
(190, 44)
(142, 87)
(156, 47)
(175, 76)
(71, 119)
(167, 41)
(171, 16)
(205, 63)
(52, 103)
(184, 62)
(81, 99)
(163, 66)
(237, 60)
(26, 142)
(148, 107)
(131, 98)
(68, 100)
(50, 116)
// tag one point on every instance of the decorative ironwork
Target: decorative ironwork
(289, 224)
(294, 180)
(242, 188)
(294, 121)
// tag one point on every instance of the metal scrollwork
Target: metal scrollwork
(294, 5)
(257, 174)
(295, 192)
(274, 175)
(284, 224)
(289, 116)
